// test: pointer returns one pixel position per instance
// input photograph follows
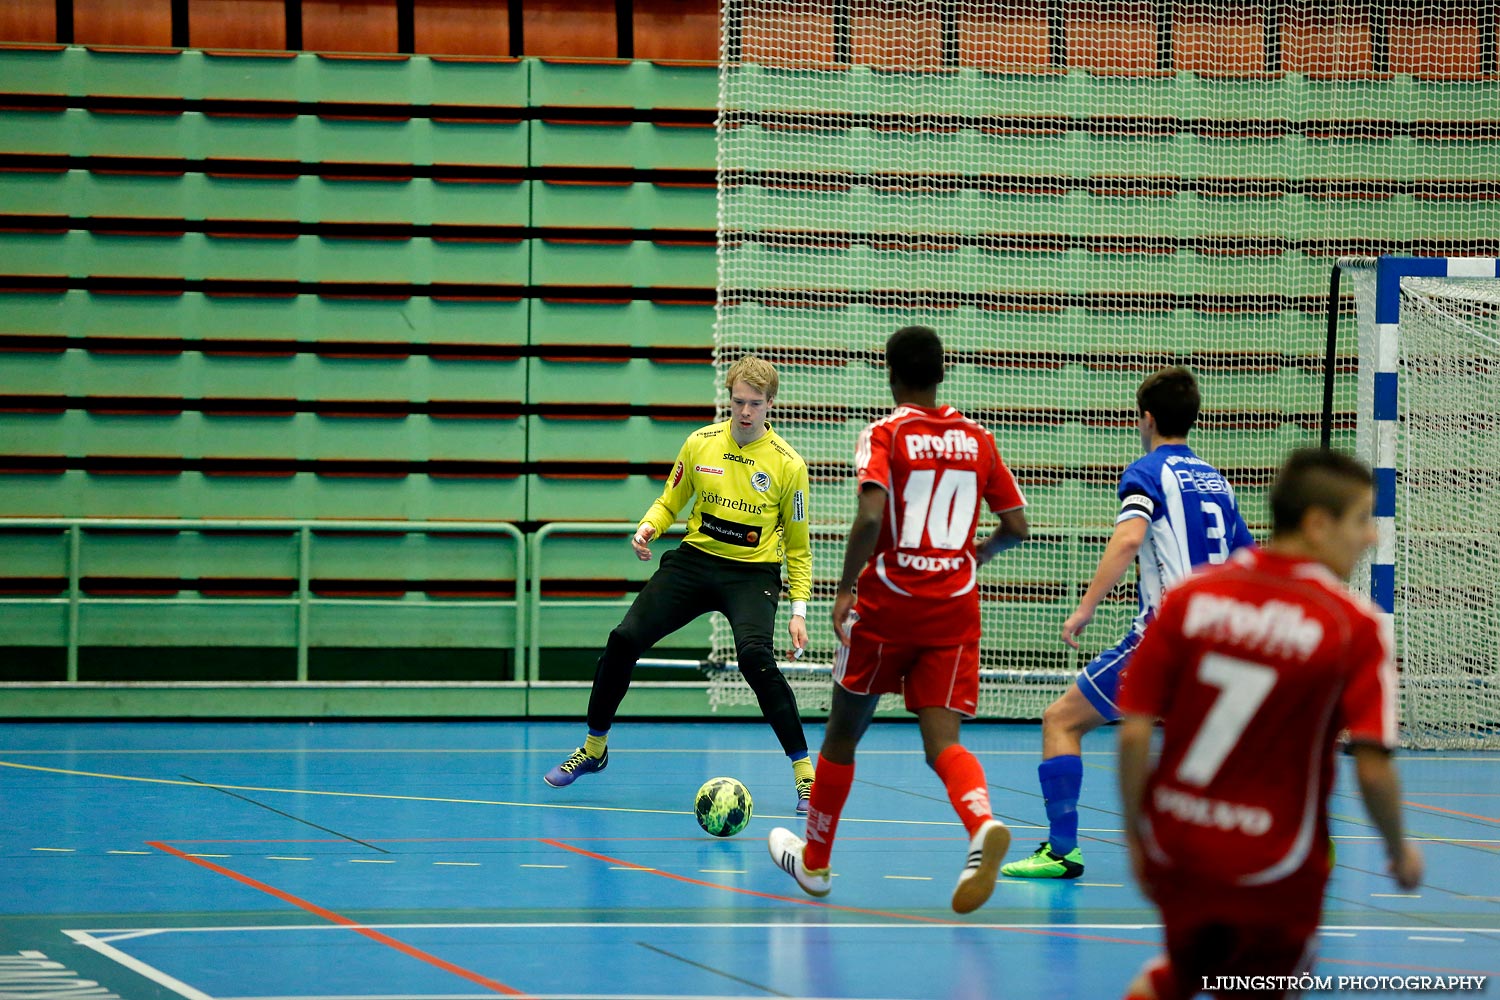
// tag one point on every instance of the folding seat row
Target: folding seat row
(416, 497)
(632, 322)
(605, 439)
(192, 434)
(623, 204)
(198, 375)
(1105, 269)
(419, 201)
(597, 261)
(622, 83)
(283, 140)
(1274, 213)
(623, 145)
(197, 256)
(1061, 329)
(1081, 94)
(195, 317)
(304, 77)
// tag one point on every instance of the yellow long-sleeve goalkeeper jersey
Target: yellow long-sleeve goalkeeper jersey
(752, 501)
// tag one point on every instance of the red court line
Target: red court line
(1451, 812)
(828, 906)
(337, 918)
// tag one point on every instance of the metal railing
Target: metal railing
(303, 600)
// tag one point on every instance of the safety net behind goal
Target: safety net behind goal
(1075, 194)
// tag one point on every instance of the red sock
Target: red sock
(830, 792)
(963, 777)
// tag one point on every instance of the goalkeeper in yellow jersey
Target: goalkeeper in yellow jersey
(750, 514)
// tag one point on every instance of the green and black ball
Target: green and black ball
(722, 806)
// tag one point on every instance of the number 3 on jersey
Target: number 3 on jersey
(1213, 530)
(944, 513)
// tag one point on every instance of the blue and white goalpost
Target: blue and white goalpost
(1429, 388)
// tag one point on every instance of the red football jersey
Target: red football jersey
(935, 466)
(1254, 667)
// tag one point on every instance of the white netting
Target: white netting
(1075, 194)
(1447, 610)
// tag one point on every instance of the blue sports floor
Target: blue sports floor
(428, 860)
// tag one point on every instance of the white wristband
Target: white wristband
(799, 609)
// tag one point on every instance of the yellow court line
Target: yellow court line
(421, 798)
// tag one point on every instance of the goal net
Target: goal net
(1429, 417)
(1075, 193)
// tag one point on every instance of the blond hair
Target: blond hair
(754, 371)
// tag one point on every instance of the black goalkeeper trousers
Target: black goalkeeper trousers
(690, 583)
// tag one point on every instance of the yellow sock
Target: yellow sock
(802, 769)
(594, 745)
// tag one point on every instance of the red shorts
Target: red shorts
(1225, 939)
(929, 676)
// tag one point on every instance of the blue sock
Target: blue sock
(598, 732)
(794, 757)
(1061, 778)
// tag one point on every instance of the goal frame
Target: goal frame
(1383, 414)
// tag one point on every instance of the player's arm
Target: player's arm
(1119, 554)
(1003, 495)
(665, 508)
(798, 546)
(1381, 790)
(1010, 532)
(864, 535)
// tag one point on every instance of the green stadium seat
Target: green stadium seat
(1237, 98)
(553, 497)
(639, 263)
(240, 376)
(191, 434)
(613, 83)
(601, 439)
(307, 77)
(624, 205)
(193, 316)
(190, 555)
(638, 145)
(306, 258)
(637, 323)
(637, 381)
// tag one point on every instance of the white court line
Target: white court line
(137, 966)
(1419, 937)
(531, 996)
(1332, 929)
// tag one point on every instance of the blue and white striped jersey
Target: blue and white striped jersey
(1193, 517)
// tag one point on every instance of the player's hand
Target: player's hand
(1076, 623)
(1137, 859)
(641, 542)
(843, 606)
(1407, 867)
(798, 629)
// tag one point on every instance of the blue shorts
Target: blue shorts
(1100, 680)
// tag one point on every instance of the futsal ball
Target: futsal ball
(722, 806)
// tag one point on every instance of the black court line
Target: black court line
(299, 819)
(709, 968)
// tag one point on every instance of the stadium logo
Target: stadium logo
(760, 482)
(951, 444)
(730, 456)
(711, 470)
